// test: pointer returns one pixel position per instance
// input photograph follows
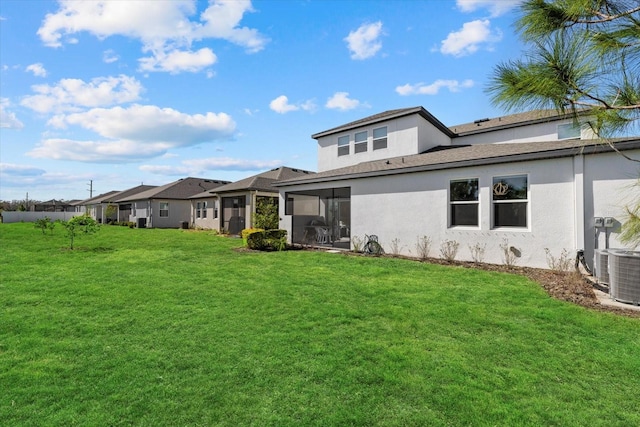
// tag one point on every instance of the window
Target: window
(510, 201)
(288, 206)
(343, 145)
(216, 206)
(569, 131)
(463, 201)
(164, 209)
(198, 210)
(204, 209)
(380, 138)
(361, 142)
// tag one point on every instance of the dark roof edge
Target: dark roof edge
(382, 118)
(523, 157)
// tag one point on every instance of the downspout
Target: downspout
(579, 212)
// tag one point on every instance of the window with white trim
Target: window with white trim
(569, 131)
(463, 202)
(164, 209)
(360, 145)
(510, 201)
(216, 207)
(343, 145)
(380, 138)
(204, 209)
(198, 206)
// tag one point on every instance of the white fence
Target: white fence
(17, 216)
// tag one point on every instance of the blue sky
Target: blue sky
(123, 93)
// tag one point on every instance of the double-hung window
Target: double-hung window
(360, 145)
(216, 207)
(380, 138)
(198, 206)
(463, 201)
(343, 145)
(164, 209)
(204, 209)
(510, 201)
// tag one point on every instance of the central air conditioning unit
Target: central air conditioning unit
(601, 265)
(624, 276)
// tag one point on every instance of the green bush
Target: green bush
(267, 240)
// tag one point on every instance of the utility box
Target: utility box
(598, 222)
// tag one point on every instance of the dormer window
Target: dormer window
(361, 142)
(343, 145)
(380, 138)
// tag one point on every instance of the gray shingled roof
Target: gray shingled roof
(127, 193)
(510, 121)
(464, 156)
(95, 200)
(263, 181)
(181, 189)
(387, 115)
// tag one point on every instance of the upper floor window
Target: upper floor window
(343, 145)
(569, 131)
(510, 200)
(361, 142)
(380, 138)
(463, 200)
(164, 209)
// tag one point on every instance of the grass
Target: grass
(176, 328)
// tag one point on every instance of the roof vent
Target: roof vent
(477, 122)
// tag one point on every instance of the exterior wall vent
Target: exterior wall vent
(624, 276)
(601, 267)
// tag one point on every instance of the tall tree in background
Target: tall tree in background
(584, 54)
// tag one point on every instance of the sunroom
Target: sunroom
(320, 217)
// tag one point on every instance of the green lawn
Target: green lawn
(176, 328)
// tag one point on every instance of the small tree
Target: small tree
(79, 225)
(266, 216)
(44, 224)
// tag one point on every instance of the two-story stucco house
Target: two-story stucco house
(527, 182)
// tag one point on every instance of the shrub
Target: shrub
(477, 252)
(449, 249)
(267, 240)
(266, 215)
(562, 264)
(79, 225)
(357, 242)
(510, 254)
(395, 247)
(246, 232)
(423, 247)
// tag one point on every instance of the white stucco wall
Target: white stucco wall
(405, 136)
(547, 131)
(210, 222)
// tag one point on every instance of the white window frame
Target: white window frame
(166, 210)
(198, 209)
(204, 209)
(216, 208)
(475, 202)
(380, 142)
(358, 142)
(495, 202)
(344, 145)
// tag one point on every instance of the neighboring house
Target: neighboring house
(231, 207)
(169, 205)
(523, 183)
(114, 210)
(54, 206)
(94, 206)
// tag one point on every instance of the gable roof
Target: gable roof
(464, 156)
(387, 115)
(263, 181)
(510, 121)
(130, 192)
(181, 189)
(95, 200)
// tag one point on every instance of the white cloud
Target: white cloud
(9, 169)
(109, 56)
(341, 101)
(72, 94)
(495, 7)
(364, 42)
(165, 29)
(134, 133)
(8, 120)
(178, 61)
(281, 105)
(469, 38)
(37, 70)
(433, 88)
(199, 166)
